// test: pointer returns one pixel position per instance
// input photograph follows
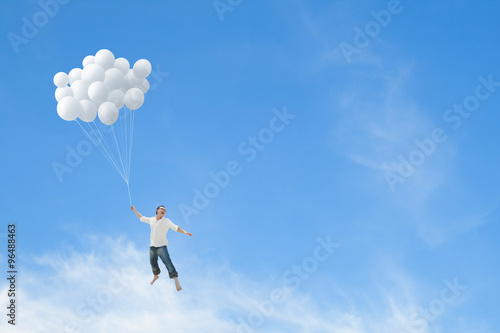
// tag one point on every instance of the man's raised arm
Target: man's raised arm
(136, 212)
(179, 229)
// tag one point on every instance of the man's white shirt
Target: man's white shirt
(159, 230)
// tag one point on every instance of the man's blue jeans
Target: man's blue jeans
(162, 252)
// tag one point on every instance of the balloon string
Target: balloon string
(129, 197)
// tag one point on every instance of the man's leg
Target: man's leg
(153, 259)
(172, 273)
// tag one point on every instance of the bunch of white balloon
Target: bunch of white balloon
(101, 88)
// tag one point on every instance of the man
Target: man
(158, 242)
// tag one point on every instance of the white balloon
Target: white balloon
(92, 73)
(74, 74)
(69, 108)
(88, 60)
(117, 97)
(132, 80)
(144, 86)
(61, 80)
(142, 68)
(98, 92)
(123, 65)
(108, 113)
(105, 59)
(113, 78)
(89, 110)
(134, 98)
(126, 82)
(63, 92)
(80, 89)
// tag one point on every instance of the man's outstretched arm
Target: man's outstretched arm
(179, 229)
(136, 212)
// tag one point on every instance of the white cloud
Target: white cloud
(107, 290)
(377, 124)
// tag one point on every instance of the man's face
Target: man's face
(161, 211)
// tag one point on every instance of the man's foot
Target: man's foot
(177, 285)
(154, 279)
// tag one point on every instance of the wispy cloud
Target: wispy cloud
(380, 128)
(106, 289)
(373, 125)
(376, 118)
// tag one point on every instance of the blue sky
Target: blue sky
(219, 79)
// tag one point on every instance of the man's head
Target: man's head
(160, 211)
